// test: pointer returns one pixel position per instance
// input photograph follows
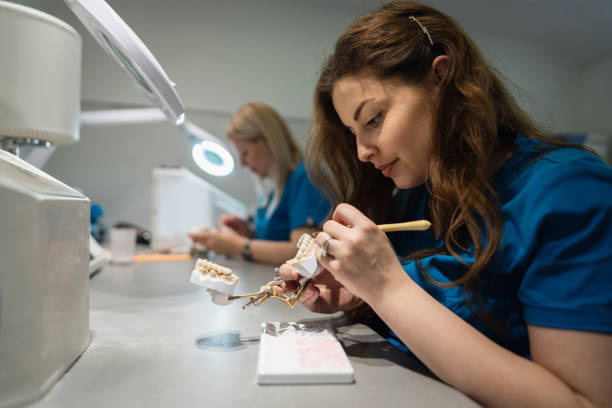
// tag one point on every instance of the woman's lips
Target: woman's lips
(386, 169)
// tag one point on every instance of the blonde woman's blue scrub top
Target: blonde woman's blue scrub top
(300, 205)
(553, 266)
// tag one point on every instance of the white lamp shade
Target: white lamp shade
(213, 158)
(40, 76)
(208, 151)
(123, 45)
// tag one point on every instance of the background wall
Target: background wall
(596, 98)
(222, 54)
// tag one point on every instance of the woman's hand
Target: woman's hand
(359, 255)
(323, 294)
(225, 241)
(236, 224)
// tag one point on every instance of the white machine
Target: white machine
(44, 280)
(44, 224)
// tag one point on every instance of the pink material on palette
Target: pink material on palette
(299, 353)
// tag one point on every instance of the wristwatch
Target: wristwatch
(246, 251)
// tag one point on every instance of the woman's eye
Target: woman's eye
(375, 121)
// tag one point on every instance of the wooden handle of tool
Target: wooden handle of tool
(420, 225)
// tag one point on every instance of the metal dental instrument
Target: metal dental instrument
(306, 263)
(267, 292)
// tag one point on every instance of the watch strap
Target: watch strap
(246, 251)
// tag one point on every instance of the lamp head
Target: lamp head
(208, 151)
(119, 41)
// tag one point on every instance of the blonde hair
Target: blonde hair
(256, 120)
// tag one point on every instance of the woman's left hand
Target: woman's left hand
(236, 224)
(224, 241)
(323, 294)
(359, 255)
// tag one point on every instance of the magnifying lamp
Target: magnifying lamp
(208, 151)
(124, 46)
(119, 41)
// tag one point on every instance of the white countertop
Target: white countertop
(158, 341)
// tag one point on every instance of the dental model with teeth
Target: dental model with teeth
(305, 261)
(219, 281)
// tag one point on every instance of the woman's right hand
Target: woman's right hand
(359, 255)
(235, 223)
(323, 294)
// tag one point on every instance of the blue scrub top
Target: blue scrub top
(553, 266)
(301, 205)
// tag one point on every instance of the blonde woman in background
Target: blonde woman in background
(292, 208)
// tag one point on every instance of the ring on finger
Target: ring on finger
(325, 246)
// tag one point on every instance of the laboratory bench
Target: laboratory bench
(157, 340)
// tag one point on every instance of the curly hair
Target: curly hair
(476, 121)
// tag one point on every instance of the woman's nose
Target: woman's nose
(365, 152)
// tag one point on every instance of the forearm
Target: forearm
(272, 252)
(277, 252)
(465, 358)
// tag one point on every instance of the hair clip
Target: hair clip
(413, 18)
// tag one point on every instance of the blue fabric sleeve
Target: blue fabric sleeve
(300, 205)
(308, 207)
(568, 281)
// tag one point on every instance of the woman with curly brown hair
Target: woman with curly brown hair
(509, 296)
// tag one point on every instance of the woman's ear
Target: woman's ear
(440, 66)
